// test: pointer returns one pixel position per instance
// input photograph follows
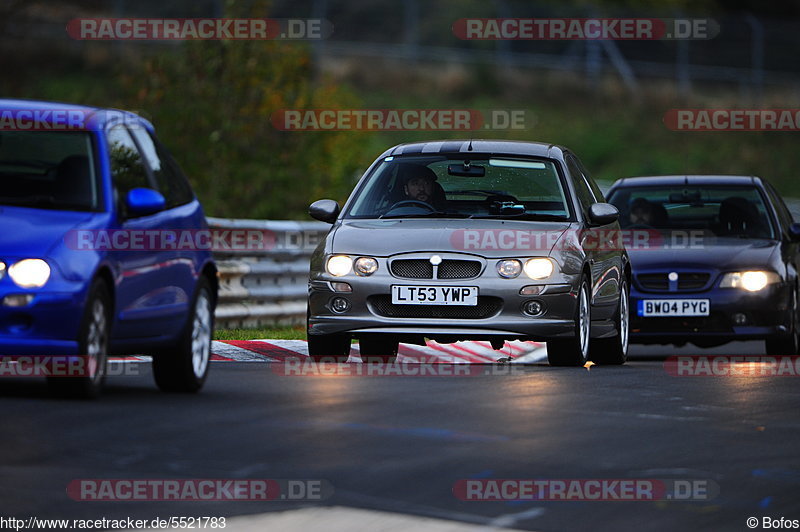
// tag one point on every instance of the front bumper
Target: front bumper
(48, 325)
(767, 313)
(502, 316)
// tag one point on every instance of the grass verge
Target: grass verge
(262, 333)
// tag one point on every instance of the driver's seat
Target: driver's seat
(439, 197)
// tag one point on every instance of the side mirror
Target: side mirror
(324, 210)
(603, 214)
(794, 232)
(144, 201)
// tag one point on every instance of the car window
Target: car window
(784, 214)
(480, 187)
(49, 170)
(598, 194)
(717, 209)
(582, 190)
(127, 165)
(170, 180)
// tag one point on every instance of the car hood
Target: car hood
(35, 232)
(488, 238)
(719, 254)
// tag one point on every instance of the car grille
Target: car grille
(459, 269)
(423, 269)
(487, 307)
(660, 282)
(653, 281)
(692, 281)
(412, 268)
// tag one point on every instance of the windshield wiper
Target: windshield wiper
(436, 214)
(524, 216)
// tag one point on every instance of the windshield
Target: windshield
(48, 170)
(444, 187)
(715, 210)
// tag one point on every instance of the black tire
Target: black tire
(326, 347)
(185, 367)
(614, 351)
(93, 337)
(574, 351)
(329, 347)
(786, 344)
(378, 349)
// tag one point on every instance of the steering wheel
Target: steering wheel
(416, 203)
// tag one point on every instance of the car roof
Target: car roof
(482, 146)
(678, 180)
(96, 113)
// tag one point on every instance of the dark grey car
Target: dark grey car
(471, 240)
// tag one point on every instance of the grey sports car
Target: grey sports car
(471, 240)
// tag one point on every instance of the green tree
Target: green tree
(211, 102)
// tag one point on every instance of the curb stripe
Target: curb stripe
(264, 348)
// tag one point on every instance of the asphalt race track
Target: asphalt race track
(398, 444)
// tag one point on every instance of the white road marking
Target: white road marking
(458, 353)
(239, 354)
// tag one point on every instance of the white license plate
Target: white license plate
(435, 295)
(673, 307)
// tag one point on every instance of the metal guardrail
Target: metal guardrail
(263, 275)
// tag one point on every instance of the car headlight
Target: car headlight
(2, 269)
(752, 281)
(29, 273)
(339, 265)
(538, 268)
(509, 269)
(365, 266)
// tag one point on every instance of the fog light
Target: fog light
(740, 318)
(17, 300)
(341, 287)
(340, 304)
(533, 308)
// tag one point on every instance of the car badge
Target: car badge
(673, 276)
(436, 260)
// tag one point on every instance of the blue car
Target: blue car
(91, 206)
(714, 258)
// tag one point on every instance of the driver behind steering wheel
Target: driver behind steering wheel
(421, 185)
